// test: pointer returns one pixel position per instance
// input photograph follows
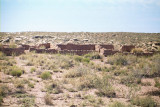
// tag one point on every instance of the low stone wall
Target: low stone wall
(76, 52)
(52, 51)
(46, 45)
(76, 47)
(127, 48)
(26, 47)
(12, 51)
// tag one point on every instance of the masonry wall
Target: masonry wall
(46, 45)
(26, 47)
(76, 52)
(76, 47)
(107, 52)
(52, 51)
(11, 51)
(127, 48)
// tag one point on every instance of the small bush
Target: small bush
(77, 72)
(87, 81)
(3, 92)
(15, 71)
(104, 87)
(2, 56)
(46, 75)
(28, 101)
(87, 60)
(33, 70)
(31, 85)
(157, 83)
(48, 99)
(120, 72)
(118, 60)
(143, 102)
(117, 104)
(78, 58)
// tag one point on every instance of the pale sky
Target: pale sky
(80, 15)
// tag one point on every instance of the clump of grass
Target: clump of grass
(87, 60)
(15, 71)
(33, 70)
(87, 82)
(137, 50)
(2, 56)
(157, 83)
(31, 85)
(54, 87)
(3, 91)
(117, 104)
(143, 102)
(28, 101)
(78, 58)
(120, 72)
(46, 75)
(77, 72)
(48, 99)
(104, 87)
(120, 59)
(82, 59)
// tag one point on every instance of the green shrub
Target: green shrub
(87, 81)
(120, 59)
(46, 75)
(120, 72)
(31, 85)
(28, 102)
(117, 104)
(157, 83)
(104, 87)
(48, 99)
(33, 70)
(3, 92)
(143, 102)
(15, 71)
(78, 58)
(2, 56)
(1, 100)
(76, 72)
(87, 60)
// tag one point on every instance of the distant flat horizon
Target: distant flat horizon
(80, 16)
(76, 32)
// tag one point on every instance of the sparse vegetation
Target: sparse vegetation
(87, 80)
(48, 99)
(15, 71)
(143, 102)
(46, 75)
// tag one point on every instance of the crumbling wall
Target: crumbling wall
(110, 47)
(127, 48)
(76, 47)
(107, 52)
(12, 51)
(46, 45)
(53, 51)
(26, 47)
(76, 52)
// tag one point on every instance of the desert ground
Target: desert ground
(91, 80)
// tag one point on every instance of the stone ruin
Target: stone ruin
(73, 49)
